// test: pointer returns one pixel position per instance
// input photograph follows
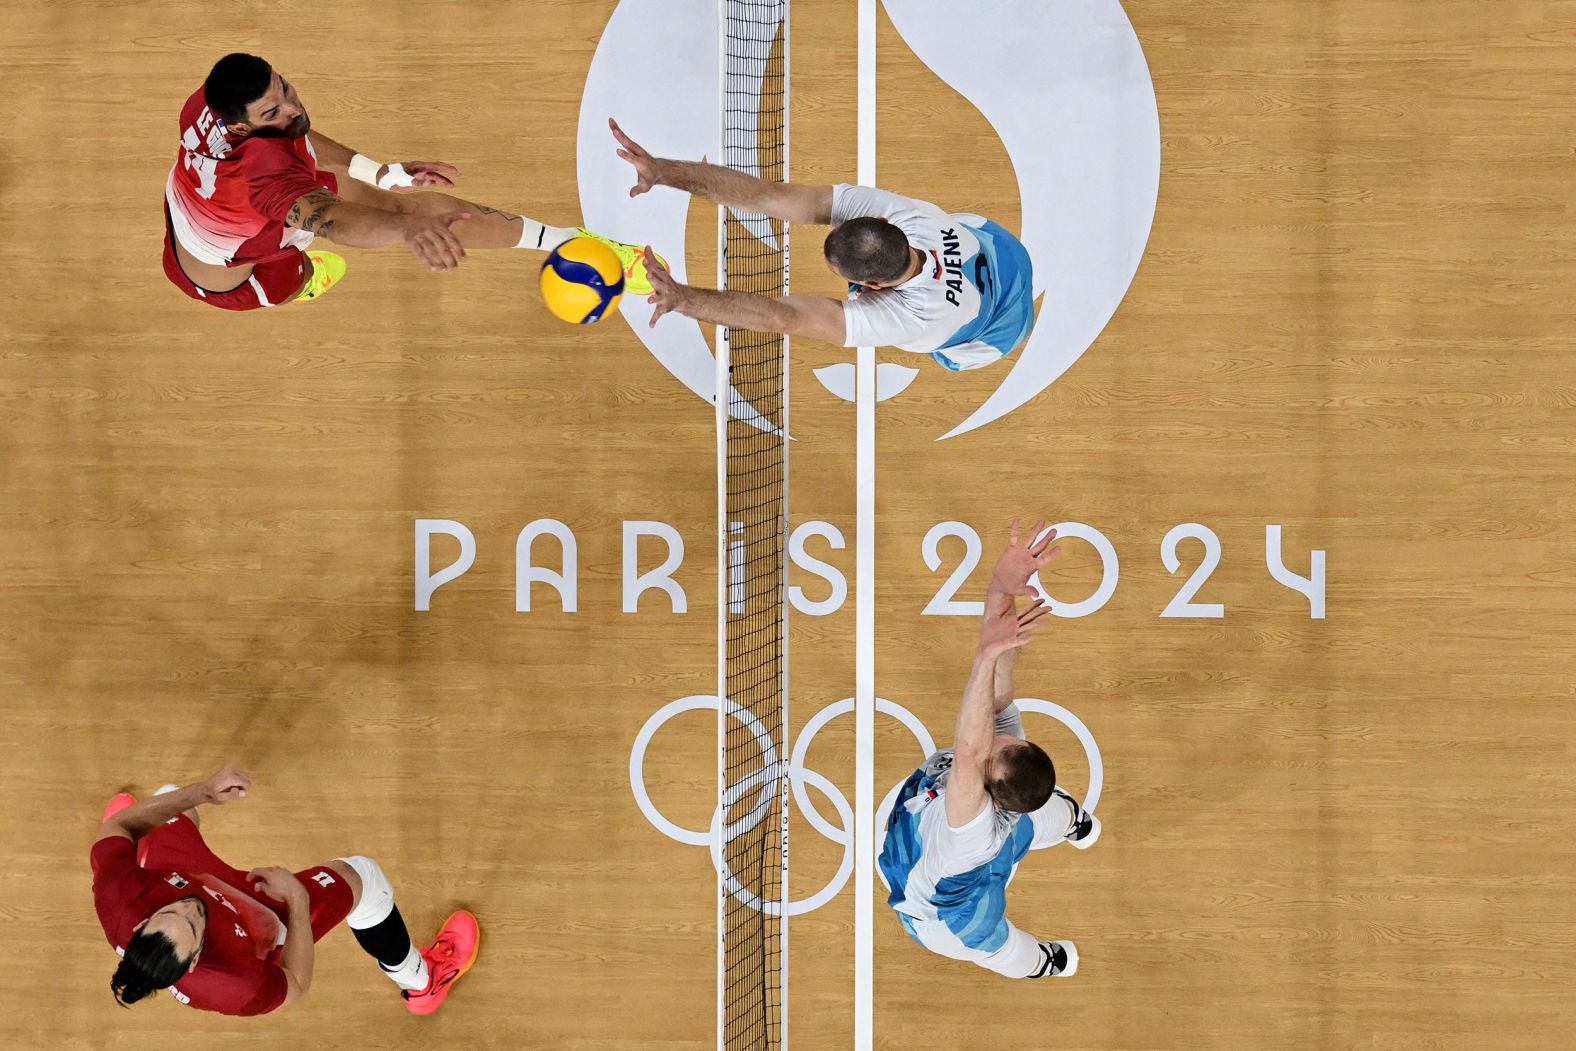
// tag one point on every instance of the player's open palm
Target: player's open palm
(645, 164)
(1022, 560)
(229, 783)
(1007, 628)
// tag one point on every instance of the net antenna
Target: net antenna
(751, 830)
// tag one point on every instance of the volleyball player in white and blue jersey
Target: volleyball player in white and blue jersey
(956, 288)
(962, 822)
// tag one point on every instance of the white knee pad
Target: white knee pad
(377, 897)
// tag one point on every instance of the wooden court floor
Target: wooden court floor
(1352, 320)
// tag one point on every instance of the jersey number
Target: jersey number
(982, 278)
(207, 173)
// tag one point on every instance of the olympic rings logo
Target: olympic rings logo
(765, 780)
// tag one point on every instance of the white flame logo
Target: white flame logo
(1064, 85)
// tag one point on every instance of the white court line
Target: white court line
(787, 663)
(864, 585)
(724, 564)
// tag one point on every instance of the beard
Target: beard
(294, 130)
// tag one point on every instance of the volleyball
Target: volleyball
(581, 280)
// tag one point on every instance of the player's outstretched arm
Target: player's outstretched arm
(1004, 629)
(148, 814)
(1009, 579)
(330, 154)
(745, 193)
(813, 317)
(428, 237)
(400, 176)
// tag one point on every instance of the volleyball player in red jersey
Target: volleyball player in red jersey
(242, 943)
(253, 184)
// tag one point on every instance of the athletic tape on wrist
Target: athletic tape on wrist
(396, 176)
(364, 169)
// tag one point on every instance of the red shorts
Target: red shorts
(272, 283)
(179, 845)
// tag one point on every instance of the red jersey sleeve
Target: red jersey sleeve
(276, 175)
(234, 987)
(271, 993)
(117, 882)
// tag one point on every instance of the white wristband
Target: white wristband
(364, 169)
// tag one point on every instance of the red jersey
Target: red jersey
(228, 196)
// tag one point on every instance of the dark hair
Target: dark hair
(1026, 777)
(235, 82)
(868, 250)
(150, 964)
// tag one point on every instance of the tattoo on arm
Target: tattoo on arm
(484, 210)
(307, 211)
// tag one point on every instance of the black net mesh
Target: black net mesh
(755, 789)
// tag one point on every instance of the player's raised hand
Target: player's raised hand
(229, 783)
(1022, 560)
(645, 165)
(666, 293)
(1006, 628)
(427, 175)
(432, 240)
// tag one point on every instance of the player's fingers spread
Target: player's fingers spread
(1033, 611)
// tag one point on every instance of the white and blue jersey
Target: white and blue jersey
(971, 304)
(955, 879)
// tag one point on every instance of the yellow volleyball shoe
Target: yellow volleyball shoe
(328, 268)
(632, 258)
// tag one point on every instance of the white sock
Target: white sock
(542, 238)
(412, 974)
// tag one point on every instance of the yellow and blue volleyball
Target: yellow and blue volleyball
(582, 280)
